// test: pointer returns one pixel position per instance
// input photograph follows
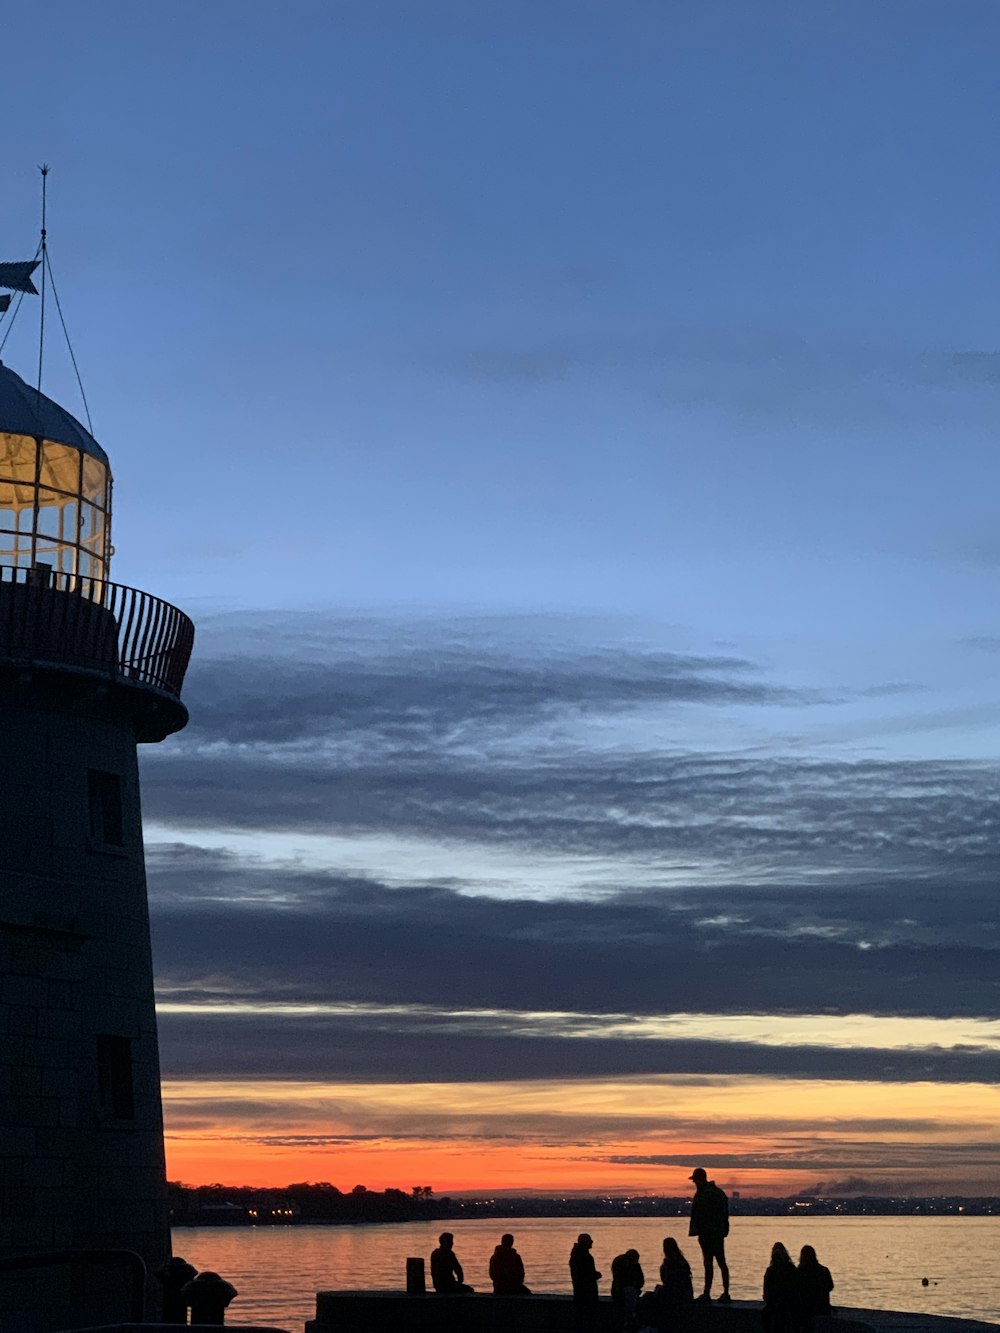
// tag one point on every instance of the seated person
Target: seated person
(447, 1277)
(676, 1286)
(627, 1281)
(507, 1269)
(782, 1311)
(815, 1284)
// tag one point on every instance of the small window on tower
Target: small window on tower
(107, 826)
(114, 1077)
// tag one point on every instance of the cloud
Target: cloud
(751, 375)
(583, 863)
(975, 367)
(805, 1154)
(430, 691)
(874, 1186)
(559, 751)
(402, 961)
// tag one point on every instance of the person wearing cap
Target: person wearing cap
(710, 1224)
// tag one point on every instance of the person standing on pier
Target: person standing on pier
(710, 1223)
(447, 1277)
(583, 1271)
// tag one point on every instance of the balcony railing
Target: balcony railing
(49, 617)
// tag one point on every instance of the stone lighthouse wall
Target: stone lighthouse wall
(81, 1142)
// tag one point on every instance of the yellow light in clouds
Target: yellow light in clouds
(834, 1031)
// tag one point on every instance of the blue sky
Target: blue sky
(573, 428)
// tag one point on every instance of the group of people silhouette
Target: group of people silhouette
(793, 1295)
(506, 1268)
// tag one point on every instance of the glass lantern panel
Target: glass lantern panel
(61, 467)
(48, 522)
(17, 458)
(90, 523)
(89, 567)
(17, 470)
(50, 505)
(95, 481)
(8, 527)
(67, 528)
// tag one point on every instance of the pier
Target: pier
(398, 1312)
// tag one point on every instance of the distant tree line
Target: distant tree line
(246, 1205)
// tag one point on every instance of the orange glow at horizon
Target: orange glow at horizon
(769, 1136)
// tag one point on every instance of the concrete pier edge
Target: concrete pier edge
(481, 1312)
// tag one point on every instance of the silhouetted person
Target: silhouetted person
(208, 1295)
(676, 1286)
(172, 1277)
(782, 1311)
(710, 1223)
(585, 1277)
(446, 1272)
(627, 1281)
(815, 1284)
(582, 1269)
(660, 1308)
(507, 1269)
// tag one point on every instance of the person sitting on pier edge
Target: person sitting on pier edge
(676, 1286)
(815, 1284)
(782, 1311)
(172, 1277)
(208, 1295)
(447, 1277)
(710, 1223)
(583, 1271)
(507, 1269)
(659, 1309)
(627, 1281)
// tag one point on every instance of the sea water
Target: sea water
(877, 1262)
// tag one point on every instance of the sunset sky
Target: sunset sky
(572, 425)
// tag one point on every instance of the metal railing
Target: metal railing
(47, 616)
(127, 1259)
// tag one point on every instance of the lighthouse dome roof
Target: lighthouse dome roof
(25, 411)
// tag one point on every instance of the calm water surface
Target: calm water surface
(877, 1262)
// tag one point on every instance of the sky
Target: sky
(572, 428)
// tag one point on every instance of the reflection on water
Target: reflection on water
(876, 1262)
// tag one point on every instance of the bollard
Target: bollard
(416, 1283)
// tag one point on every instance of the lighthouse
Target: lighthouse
(89, 670)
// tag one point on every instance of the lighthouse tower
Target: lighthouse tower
(89, 669)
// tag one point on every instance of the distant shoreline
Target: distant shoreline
(326, 1206)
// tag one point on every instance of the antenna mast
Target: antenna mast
(44, 169)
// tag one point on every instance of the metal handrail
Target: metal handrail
(48, 616)
(132, 1263)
